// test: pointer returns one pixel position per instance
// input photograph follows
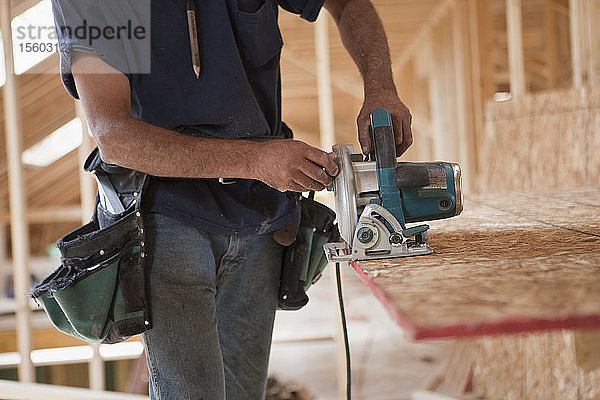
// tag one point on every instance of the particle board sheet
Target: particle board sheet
(511, 263)
(536, 366)
(544, 140)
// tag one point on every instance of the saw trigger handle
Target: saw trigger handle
(382, 137)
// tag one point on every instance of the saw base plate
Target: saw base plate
(339, 252)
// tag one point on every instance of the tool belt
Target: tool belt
(99, 293)
(304, 260)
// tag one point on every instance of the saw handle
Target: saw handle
(382, 137)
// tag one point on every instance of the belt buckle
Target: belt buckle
(227, 181)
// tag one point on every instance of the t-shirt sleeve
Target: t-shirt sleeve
(78, 22)
(307, 9)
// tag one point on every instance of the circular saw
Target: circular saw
(375, 198)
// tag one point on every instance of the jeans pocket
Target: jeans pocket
(259, 37)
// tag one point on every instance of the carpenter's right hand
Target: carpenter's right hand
(294, 165)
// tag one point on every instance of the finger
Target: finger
(323, 160)
(294, 187)
(316, 173)
(307, 183)
(398, 132)
(363, 134)
(407, 138)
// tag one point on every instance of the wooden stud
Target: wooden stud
(87, 189)
(459, 368)
(516, 57)
(482, 84)
(19, 227)
(467, 148)
(579, 38)
(437, 97)
(422, 119)
(327, 139)
(49, 215)
(483, 43)
(325, 96)
(552, 43)
(451, 141)
(593, 31)
(593, 175)
(442, 94)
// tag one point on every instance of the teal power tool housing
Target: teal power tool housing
(375, 198)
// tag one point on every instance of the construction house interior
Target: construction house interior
(508, 89)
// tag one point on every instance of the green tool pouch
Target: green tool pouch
(304, 260)
(98, 294)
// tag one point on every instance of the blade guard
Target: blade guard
(344, 187)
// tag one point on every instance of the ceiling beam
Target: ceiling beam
(422, 35)
(348, 86)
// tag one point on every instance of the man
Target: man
(215, 266)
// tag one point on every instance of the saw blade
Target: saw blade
(344, 188)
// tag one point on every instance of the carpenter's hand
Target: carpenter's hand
(401, 120)
(296, 166)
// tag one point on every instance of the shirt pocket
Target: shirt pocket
(258, 35)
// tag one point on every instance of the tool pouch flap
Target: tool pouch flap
(316, 228)
(305, 260)
(98, 294)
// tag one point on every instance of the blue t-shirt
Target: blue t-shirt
(238, 94)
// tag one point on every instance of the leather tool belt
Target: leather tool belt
(99, 292)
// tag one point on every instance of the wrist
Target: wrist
(250, 163)
(378, 87)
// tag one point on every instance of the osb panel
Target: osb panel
(513, 263)
(545, 143)
(572, 160)
(594, 159)
(574, 209)
(547, 140)
(535, 366)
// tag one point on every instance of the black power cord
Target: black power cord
(345, 330)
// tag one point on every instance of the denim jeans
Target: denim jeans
(213, 299)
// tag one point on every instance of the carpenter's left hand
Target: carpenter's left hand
(401, 120)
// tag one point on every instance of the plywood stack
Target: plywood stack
(542, 141)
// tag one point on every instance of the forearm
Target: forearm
(132, 143)
(283, 164)
(363, 36)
